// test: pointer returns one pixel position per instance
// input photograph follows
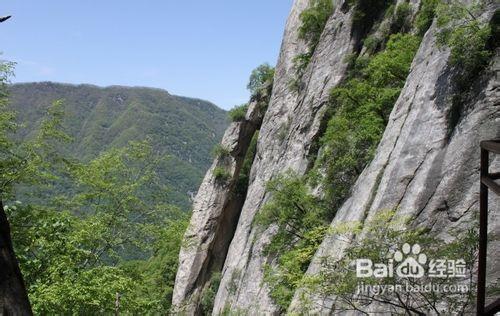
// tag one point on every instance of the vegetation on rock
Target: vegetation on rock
(208, 295)
(313, 21)
(466, 35)
(221, 174)
(471, 45)
(301, 222)
(359, 112)
(260, 78)
(221, 151)
(425, 16)
(244, 176)
(382, 237)
(238, 113)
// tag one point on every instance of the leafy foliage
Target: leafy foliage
(313, 21)
(361, 110)
(365, 13)
(466, 35)
(261, 76)
(238, 113)
(292, 208)
(244, 175)
(221, 174)
(400, 21)
(208, 295)
(292, 264)
(397, 20)
(221, 151)
(7, 122)
(373, 43)
(471, 45)
(154, 277)
(301, 222)
(76, 264)
(12, 164)
(425, 15)
(300, 64)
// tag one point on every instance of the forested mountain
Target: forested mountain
(98, 119)
(95, 185)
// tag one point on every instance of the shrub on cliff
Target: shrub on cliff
(361, 110)
(313, 21)
(259, 79)
(238, 113)
(466, 35)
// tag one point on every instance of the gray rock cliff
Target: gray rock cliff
(421, 170)
(426, 165)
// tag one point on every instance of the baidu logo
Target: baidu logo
(412, 265)
(410, 262)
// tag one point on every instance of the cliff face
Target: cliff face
(421, 170)
(426, 165)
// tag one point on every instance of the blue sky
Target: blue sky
(195, 48)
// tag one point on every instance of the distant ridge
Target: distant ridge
(100, 118)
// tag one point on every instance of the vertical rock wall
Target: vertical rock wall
(216, 210)
(291, 125)
(425, 166)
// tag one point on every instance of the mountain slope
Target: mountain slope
(101, 118)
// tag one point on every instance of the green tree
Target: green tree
(76, 264)
(466, 35)
(10, 161)
(156, 275)
(361, 110)
(312, 22)
(260, 78)
(13, 297)
(82, 246)
(292, 208)
(425, 15)
(302, 222)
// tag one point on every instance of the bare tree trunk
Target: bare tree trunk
(13, 296)
(117, 304)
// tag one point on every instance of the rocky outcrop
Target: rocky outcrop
(216, 210)
(292, 123)
(426, 165)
